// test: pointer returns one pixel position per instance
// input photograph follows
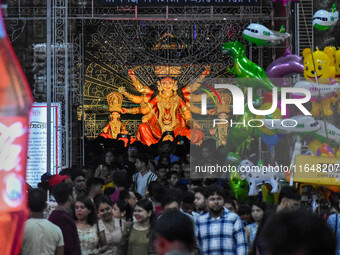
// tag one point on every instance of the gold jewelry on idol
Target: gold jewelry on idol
(115, 100)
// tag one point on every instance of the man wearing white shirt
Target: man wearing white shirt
(40, 236)
(143, 177)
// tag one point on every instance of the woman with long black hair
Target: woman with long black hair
(92, 238)
(138, 237)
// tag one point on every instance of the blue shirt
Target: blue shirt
(252, 233)
(331, 222)
(224, 235)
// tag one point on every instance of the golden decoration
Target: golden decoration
(168, 42)
(226, 100)
(167, 71)
(115, 101)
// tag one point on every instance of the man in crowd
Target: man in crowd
(220, 231)
(166, 148)
(289, 199)
(298, 232)
(61, 217)
(175, 234)
(40, 235)
(200, 203)
(143, 177)
(130, 161)
(78, 179)
(128, 196)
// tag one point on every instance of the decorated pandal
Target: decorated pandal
(166, 112)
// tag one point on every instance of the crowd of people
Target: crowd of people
(141, 200)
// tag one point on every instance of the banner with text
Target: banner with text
(37, 146)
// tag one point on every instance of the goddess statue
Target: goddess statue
(165, 112)
(221, 130)
(115, 126)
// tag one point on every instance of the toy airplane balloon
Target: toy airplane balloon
(297, 124)
(260, 35)
(333, 133)
(318, 91)
(323, 20)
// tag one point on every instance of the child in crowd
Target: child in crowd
(172, 178)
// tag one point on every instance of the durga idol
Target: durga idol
(115, 126)
(165, 112)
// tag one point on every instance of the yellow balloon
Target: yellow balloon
(314, 145)
(275, 115)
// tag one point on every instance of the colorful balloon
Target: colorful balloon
(270, 140)
(249, 73)
(325, 151)
(283, 66)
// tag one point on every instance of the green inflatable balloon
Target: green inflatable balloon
(250, 74)
(239, 187)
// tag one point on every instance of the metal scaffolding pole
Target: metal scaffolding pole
(49, 85)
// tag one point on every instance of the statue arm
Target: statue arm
(195, 109)
(138, 85)
(147, 117)
(135, 110)
(199, 80)
(185, 113)
(195, 98)
(106, 128)
(131, 97)
(149, 106)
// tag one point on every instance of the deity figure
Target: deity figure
(165, 112)
(223, 110)
(115, 126)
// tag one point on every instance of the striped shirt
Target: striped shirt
(140, 182)
(224, 235)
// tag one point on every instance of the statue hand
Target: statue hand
(145, 119)
(207, 70)
(132, 73)
(121, 90)
(105, 129)
(196, 125)
(212, 131)
(124, 110)
(211, 111)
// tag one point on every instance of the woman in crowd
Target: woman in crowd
(112, 226)
(109, 160)
(122, 210)
(138, 237)
(258, 209)
(92, 238)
